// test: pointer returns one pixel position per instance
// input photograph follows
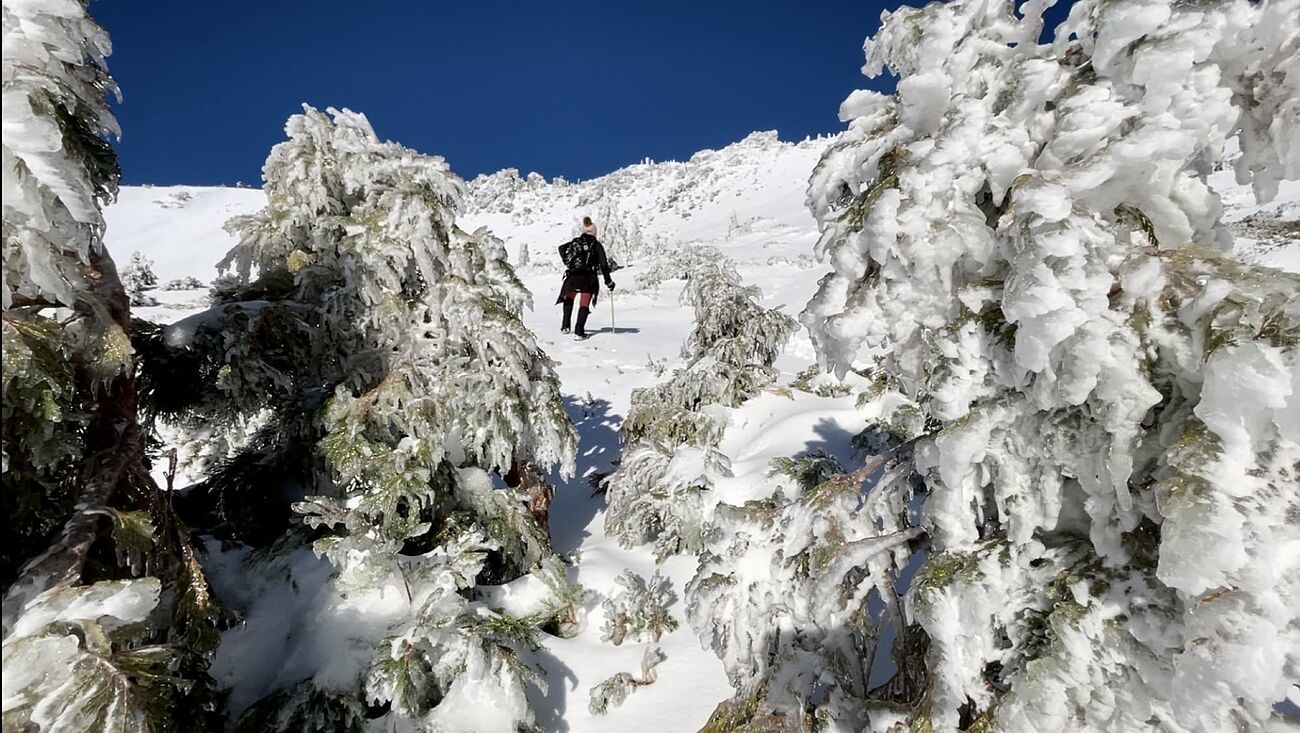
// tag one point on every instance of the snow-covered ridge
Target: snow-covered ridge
(179, 227)
(1264, 234)
(703, 172)
(715, 192)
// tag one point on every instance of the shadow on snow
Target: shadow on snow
(574, 507)
(550, 706)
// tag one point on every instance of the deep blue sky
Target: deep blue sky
(574, 88)
(567, 87)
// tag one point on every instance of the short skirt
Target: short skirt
(579, 282)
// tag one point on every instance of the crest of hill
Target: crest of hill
(715, 191)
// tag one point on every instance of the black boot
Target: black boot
(568, 315)
(580, 331)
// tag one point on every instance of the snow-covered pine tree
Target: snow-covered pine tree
(137, 277)
(671, 433)
(1101, 402)
(389, 346)
(106, 613)
(141, 268)
(797, 595)
(638, 609)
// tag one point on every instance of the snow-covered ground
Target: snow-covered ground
(748, 201)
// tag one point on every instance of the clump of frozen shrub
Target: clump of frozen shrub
(809, 470)
(670, 436)
(621, 234)
(797, 592)
(675, 263)
(614, 691)
(189, 282)
(1085, 408)
(816, 381)
(638, 609)
(563, 602)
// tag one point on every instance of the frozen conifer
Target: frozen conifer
(388, 346)
(638, 609)
(137, 278)
(106, 614)
(670, 457)
(620, 233)
(140, 271)
(1079, 515)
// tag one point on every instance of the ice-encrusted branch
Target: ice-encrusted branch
(615, 690)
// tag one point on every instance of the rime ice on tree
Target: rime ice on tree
(671, 433)
(388, 346)
(638, 609)
(107, 617)
(1102, 406)
(137, 277)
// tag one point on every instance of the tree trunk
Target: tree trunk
(540, 494)
(114, 451)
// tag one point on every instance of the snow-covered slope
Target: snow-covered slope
(178, 227)
(747, 200)
(1265, 234)
(759, 179)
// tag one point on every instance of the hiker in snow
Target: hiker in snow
(583, 257)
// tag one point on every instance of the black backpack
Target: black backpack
(578, 255)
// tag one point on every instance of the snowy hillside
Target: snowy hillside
(758, 182)
(748, 200)
(1267, 234)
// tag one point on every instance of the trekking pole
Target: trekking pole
(612, 328)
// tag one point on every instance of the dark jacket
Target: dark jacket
(588, 259)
